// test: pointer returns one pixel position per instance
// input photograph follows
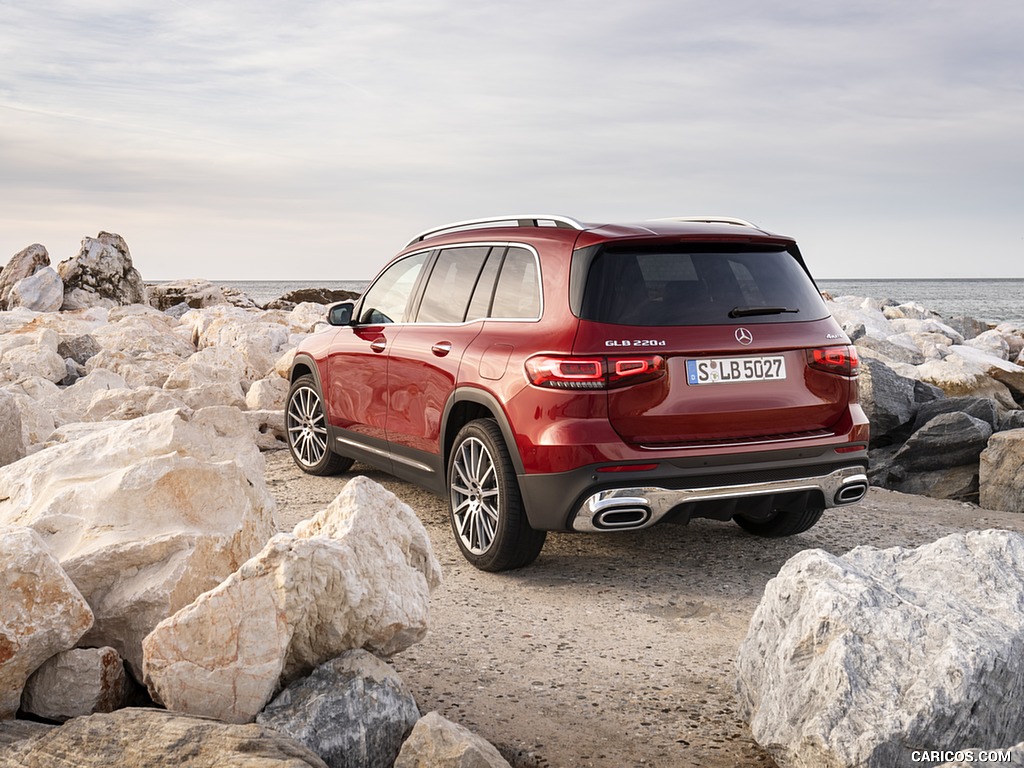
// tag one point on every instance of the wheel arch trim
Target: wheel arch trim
(489, 401)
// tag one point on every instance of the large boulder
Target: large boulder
(1000, 472)
(78, 682)
(101, 275)
(145, 516)
(24, 263)
(948, 440)
(958, 483)
(439, 743)
(41, 292)
(312, 296)
(30, 353)
(848, 660)
(972, 372)
(888, 400)
(194, 294)
(358, 575)
(978, 407)
(41, 613)
(353, 711)
(141, 738)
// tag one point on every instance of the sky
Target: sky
(255, 140)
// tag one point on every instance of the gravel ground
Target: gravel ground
(612, 651)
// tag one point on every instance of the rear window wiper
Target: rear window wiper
(751, 311)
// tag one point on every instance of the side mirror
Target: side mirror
(340, 313)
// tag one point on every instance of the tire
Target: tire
(782, 523)
(306, 427)
(484, 503)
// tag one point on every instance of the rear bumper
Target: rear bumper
(634, 508)
(681, 488)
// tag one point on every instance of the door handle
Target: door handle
(378, 344)
(441, 348)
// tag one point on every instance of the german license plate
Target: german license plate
(726, 370)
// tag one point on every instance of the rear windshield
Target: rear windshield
(697, 285)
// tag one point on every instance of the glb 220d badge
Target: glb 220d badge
(635, 343)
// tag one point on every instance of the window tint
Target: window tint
(518, 291)
(387, 299)
(450, 284)
(681, 285)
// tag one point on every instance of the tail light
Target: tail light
(593, 372)
(839, 360)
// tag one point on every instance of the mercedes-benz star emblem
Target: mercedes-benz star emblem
(743, 336)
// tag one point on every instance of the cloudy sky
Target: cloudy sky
(258, 140)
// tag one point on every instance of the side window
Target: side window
(386, 300)
(480, 304)
(518, 291)
(450, 285)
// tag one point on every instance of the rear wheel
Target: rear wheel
(484, 503)
(306, 426)
(782, 522)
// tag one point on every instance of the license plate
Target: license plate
(727, 370)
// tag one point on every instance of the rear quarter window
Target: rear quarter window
(698, 285)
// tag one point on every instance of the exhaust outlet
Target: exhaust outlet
(848, 494)
(622, 518)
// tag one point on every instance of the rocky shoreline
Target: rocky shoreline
(132, 421)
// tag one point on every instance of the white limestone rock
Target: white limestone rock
(283, 364)
(212, 395)
(12, 439)
(968, 371)
(143, 737)
(992, 343)
(143, 334)
(41, 613)
(77, 682)
(145, 516)
(851, 311)
(439, 743)
(929, 325)
(259, 341)
(30, 352)
(270, 429)
(267, 394)
(23, 264)
(852, 660)
(36, 421)
(148, 369)
(101, 275)
(210, 365)
(358, 575)
(71, 404)
(126, 404)
(40, 292)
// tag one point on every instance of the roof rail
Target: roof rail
(518, 220)
(713, 220)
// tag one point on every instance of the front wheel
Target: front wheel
(484, 503)
(782, 523)
(306, 426)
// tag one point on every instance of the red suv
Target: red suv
(549, 375)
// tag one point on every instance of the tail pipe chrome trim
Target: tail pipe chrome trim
(621, 509)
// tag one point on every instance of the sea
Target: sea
(990, 300)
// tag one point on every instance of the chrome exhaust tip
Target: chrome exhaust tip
(851, 493)
(622, 518)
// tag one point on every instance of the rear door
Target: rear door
(425, 356)
(731, 323)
